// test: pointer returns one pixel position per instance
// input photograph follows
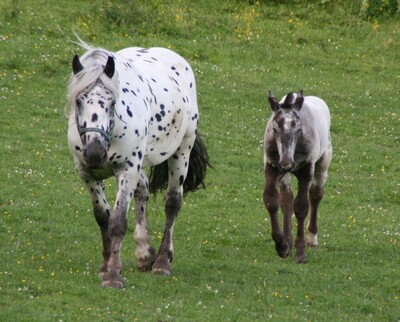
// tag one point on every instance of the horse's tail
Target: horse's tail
(198, 163)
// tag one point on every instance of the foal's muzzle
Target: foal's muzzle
(95, 154)
(286, 165)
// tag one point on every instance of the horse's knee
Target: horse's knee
(316, 193)
(271, 200)
(102, 217)
(301, 207)
(118, 226)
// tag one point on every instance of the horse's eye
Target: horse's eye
(78, 104)
(275, 130)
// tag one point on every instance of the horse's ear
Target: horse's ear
(272, 101)
(109, 70)
(76, 65)
(298, 103)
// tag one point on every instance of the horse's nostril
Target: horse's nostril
(287, 166)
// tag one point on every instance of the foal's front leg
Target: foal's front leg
(118, 225)
(286, 204)
(271, 202)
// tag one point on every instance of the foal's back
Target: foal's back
(315, 116)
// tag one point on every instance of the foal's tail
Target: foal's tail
(198, 163)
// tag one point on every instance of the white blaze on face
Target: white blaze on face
(286, 131)
(289, 130)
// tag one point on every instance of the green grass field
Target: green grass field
(225, 265)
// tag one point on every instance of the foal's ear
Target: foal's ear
(273, 102)
(298, 103)
(110, 67)
(76, 65)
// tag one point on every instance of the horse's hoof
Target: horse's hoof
(143, 268)
(312, 240)
(102, 271)
(144, 262)
(301, 259)
(161, 271)
(112, 280)
(283, 250)
(112, 284)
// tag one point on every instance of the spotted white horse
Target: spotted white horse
(297, 140)
(128, 110)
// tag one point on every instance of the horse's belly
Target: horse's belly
(163, 147)
(165, 140)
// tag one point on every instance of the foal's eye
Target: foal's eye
(78, 103)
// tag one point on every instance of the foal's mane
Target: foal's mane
(93, 61)
(289, 100)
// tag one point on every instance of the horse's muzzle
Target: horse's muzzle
(286, 165)
(95, 154)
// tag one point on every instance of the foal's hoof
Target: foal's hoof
(282, 249)
(301, 259)
(312, 240)
(112, 280)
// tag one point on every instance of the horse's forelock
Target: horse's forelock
(93, 63)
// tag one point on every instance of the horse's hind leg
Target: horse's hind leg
(145, 254)
(162, 265)
(271, 202)
(177, 171)
(316, 194)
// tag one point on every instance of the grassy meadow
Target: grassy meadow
(225, 266)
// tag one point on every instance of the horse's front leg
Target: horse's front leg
(118, 225)
(301, 207)
(271, 202)
(101, 211)
(145, 254)
(286, 204)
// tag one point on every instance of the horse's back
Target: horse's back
(318, 108)
(321, 118)
(166, 82)
(158, 62)
(161, 58)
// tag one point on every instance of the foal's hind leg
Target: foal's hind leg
(177, 171)
(316, 194)
(145, 254)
